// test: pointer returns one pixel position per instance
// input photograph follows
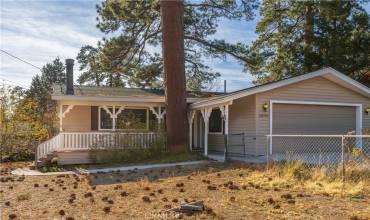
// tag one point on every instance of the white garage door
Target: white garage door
(313, 119)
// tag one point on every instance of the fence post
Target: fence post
(243, 141)
(343, 161)
(37, 154)
(267, 150)
(62, 142)
(225, 142)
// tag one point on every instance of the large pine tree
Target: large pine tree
(172, 22)
(130, 53)
(301, 36)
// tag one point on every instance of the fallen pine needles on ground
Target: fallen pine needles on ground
(226, 191)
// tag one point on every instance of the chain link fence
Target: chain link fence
(347, 156)
(235, 147)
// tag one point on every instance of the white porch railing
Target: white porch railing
(97, 140)
(48, 146)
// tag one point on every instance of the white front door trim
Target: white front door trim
(358, 112)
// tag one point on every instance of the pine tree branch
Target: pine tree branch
(217, 48)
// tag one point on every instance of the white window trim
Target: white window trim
(359, 112)
(112, 129)
(222, 124)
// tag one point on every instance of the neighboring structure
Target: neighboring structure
(320, 102)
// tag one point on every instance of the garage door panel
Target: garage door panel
(313, 119)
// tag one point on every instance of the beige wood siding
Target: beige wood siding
(216, 143)
(313, 119)
(78, 119)
(242, 120)
(316, 89)
(73, 157)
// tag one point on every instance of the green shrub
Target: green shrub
(297, 169)
(358, 195)
(51, 168)
(18, 154)
(119, 155)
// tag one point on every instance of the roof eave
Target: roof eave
(227, 98)
(131, 99)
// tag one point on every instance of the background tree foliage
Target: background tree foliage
(28, 116)
(40, 92)
(301, 36)
(129, 55)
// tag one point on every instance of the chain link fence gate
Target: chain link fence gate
(235, 146)
(347, 156)
(231, 145)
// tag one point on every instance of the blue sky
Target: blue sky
(40, 31)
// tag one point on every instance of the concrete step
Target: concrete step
(46, 160)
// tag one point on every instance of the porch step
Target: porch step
(46, 160)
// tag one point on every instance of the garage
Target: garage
(313, 119)
(293, 122)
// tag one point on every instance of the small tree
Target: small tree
(28, 117)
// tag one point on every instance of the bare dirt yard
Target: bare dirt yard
(229, 191)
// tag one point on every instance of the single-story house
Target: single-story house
(321, 102)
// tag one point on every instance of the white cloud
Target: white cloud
(39, 31)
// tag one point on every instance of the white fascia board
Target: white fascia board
(263, 88)
(348, 81)
(105, 99)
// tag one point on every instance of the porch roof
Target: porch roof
(103, 93)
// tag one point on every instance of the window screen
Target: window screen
(106, 122)
(132, 119)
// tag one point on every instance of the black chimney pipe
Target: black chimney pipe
(69, 71)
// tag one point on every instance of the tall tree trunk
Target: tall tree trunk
(172, 13)
(308, 37)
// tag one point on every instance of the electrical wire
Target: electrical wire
(19, 84)
(15, 57)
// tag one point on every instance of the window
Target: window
(127, 119)
(215, 121)
(106, 122)
(132, 119)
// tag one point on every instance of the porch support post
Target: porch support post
(115, 115)
(206, 114)
(191, 115)
(114, 119)
(60, 118)
(225, 116)
(159, 115)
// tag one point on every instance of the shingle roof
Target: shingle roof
(104, 91)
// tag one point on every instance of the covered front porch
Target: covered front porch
(124, 117)
(209, 129)
(74, 147)
(85, 126)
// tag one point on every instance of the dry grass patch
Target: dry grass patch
(229, 191)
